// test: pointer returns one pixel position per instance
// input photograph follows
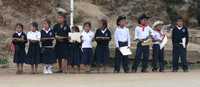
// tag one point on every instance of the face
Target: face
(159, 27)
(61, 19)
(18, 28)
(45, 25)
(179, 22)
(122, 23)
(87, 28)
(144, 22)
(33, 28)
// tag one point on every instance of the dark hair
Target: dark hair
(19, 24)
(48, 21)
(143, 16)
(120, 18)
(104, 23)
(35, 25)
(87, 23)
(76, 28)
(179, 18)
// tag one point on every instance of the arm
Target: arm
(129, 39)
(116, 39)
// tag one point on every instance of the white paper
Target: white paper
(184, 42)
(125, 50)
(75, 37)
(164, 42)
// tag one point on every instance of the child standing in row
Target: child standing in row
(122, 38)
(47, 49)
(87, 38)
(33, 55)
(19, 41)
(102, 37)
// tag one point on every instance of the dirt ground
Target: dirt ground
(8, 78)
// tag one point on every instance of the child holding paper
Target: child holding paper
(180, 41)
(122, 39)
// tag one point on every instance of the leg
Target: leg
(161, 60)
(18, 69)
(184, 60)
(125, 64)
(137, 59)
(32, 69)
(60, 65)
(117, 61)
(36, 68)
(65, 65)
(175, 58)
(145, 52)
(155, 58)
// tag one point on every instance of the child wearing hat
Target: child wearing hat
(143, 32)
(180, 41)
(122, 38)
(158, 51)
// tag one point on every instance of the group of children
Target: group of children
(77, 56)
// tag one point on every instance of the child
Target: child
(62, 42)
(102, 37)
(19, 41)
(47, 50)
(34, 47)
(158, 53)
(143, 33)
(87, 38)
(122, 38)
(76, 52)
(180, 41)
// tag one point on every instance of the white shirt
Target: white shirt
(103, 31)
(140, 34)
(122, 35)
(87, 38)
(157, 35)
(47, 31)
(34, 35)
(19, 33)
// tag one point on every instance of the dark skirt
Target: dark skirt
(19, 55)
(48, 55)
(86, 56)
(102, 54)
(33, 56)
(76, 53)
(62, 50)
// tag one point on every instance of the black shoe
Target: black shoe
(126, 71)
(161, 70)
(134, 71)
(144, 71)
(60, 71)
(154, 70)
(116, 71)
(186, 70)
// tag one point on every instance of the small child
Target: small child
(47, 50)
(19, 41)
(87, 38)
(33, 55)
(122, 38)
(158, 52)
(180, 39)
(102, 37)
(76, 52)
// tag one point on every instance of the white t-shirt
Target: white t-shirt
(87, 38)
(143, 34)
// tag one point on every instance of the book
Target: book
(125, 50)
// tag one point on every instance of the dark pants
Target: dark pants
(179, 52)
(121, 59)
(158, 57)
(141, 51)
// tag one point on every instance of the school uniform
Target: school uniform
(122, 38)
(20, 53)
(76, 53)
(87, 55)
(158, 54)
(47, 49)
(142, 51)
(33, 55)
(62, 47)
(179, 51)
(102, 48)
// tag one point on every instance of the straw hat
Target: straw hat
(155, 24)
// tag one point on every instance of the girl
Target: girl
(48, 56)
(180, 39)
(19, 41)
(122, 38)
(143, 33)
(87, 38)
(158, 53)
(76, 52)
(102, 37)
(34, 47)
(62, 43)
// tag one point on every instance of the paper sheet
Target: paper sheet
(75, 37)
(125, 50)
(163, 43)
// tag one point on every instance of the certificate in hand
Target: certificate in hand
(125, 50)
(164, 42)
(75, 37)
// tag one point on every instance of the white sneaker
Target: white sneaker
(45, 70)
(49, 69)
